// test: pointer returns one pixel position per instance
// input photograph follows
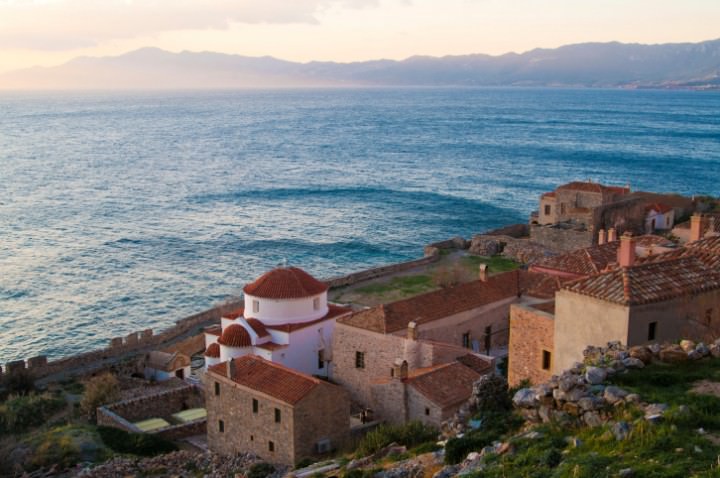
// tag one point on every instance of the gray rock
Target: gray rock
(592, 419)
(694, 355)
(542, 390)
(655, 412)
(524, 398)
(626, 473)
(620, 430)
(654, 348)
(632, 362)
(544, 413)
(614, 394)
(595, 375)
(617, 365)
(576, 394)
(633, 398)
(590, 403)
(597, 389)
(447, 472)
(702, 349)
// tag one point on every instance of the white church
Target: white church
(286, 319)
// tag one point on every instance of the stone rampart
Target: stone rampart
(382, 271)
(560, 238)
(40, 367)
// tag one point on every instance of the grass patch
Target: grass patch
(409, 435)
(135, 443)
(20, 413)
(495, 264)
(403, 285)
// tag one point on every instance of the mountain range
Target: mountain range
(610, 65)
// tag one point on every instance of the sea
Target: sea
(126, 211)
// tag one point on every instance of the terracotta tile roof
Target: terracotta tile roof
(707, 250)
(424, 308)
(271, 346)
(475, 363)
(658, 207)
(546, 288)
(648, 282)
(285, 283)
(270, 378)
(258, 327)
(235, 335)
(591, 260)
(333, 312)
(234, 314)
(166, 361)
(213, 350)
(214, 330)
(446, 385)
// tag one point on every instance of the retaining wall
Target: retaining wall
(376, 272)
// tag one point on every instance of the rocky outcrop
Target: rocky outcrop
(521, 250)
(489, 392)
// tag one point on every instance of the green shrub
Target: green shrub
(56, 448)
(260, 470)
(304, 463)
(99, 391)
(495, 424)
(142, 444)
(426, 447)
(20, 382)
(410, 434)
(19, 413)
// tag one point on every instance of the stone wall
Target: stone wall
(382, 271)
(134, 342)
(531, 332)
(158, 405)
(324, 414)
(561, 238)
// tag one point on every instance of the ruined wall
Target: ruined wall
(158, 405)
(382, 271)
(531, 332)
(561, 239)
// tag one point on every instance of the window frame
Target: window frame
(359, 359)
(546, 360)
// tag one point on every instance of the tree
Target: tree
(99, 391)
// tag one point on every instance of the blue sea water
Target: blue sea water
(124, 211)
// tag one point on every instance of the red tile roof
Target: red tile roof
(424, 308)
(235, 335)
(591, 260)
(213, 350)
(476, 363)
(333, 312)
(270, 378)
(658, 207)
(235, 314)
(271, 346)
(651, 281)
(258, 327)
(446, 385)
(285, 283)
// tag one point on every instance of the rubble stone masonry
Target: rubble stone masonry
(531, 333)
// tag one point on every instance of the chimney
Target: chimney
(626, 253)
(611, 235)
(412, 330)
(710, 226)
(230, 368)
(400, 370)
(697, 227)
(482, 272)
(602, 237)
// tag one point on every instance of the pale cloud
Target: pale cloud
(71, 24)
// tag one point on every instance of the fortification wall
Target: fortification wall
(40, 367)
(561, 239)
(382, 271)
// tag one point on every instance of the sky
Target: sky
(51, 32)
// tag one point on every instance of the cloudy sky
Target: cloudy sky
(49, 32)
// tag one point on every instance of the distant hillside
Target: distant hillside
(681, 65)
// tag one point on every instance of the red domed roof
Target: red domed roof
(285, 283)
(213, 350)
(235, 336)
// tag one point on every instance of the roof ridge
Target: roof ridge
(279, 366)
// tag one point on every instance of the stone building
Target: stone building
(576, 202)
(659, 297)
(279, 414)
(162, 366)
(286, 319)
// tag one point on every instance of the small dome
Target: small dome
(213, 350)
(235, 336)
(258, 327)
(285, 283)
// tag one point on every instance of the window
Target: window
(427, 411)
(547, 209)
(217, 388)
(546, 360)
(392, 372)
(321, 358)
(221, 426)
(256, 306)
(652, 330)
(252, 437)
(277, 415)
(271, 446)
(359, 359)
(488, 338)
(466, 340)
(255, 406)
(316, 303)
(708, 316)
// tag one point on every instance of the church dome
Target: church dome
(213, 350)
(285, 283)
(235, 336)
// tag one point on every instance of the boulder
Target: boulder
(620, 430)
(673, 354)
(702, 349)
(590, 403)
(592, 419)
(715, 350)
(632, 362)
(655, 411)
(641, 352)
(595, 375)
(614, 394)
(654, 348)
(524, 398)
(694, 355)
(687, 345)
(485, 246)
